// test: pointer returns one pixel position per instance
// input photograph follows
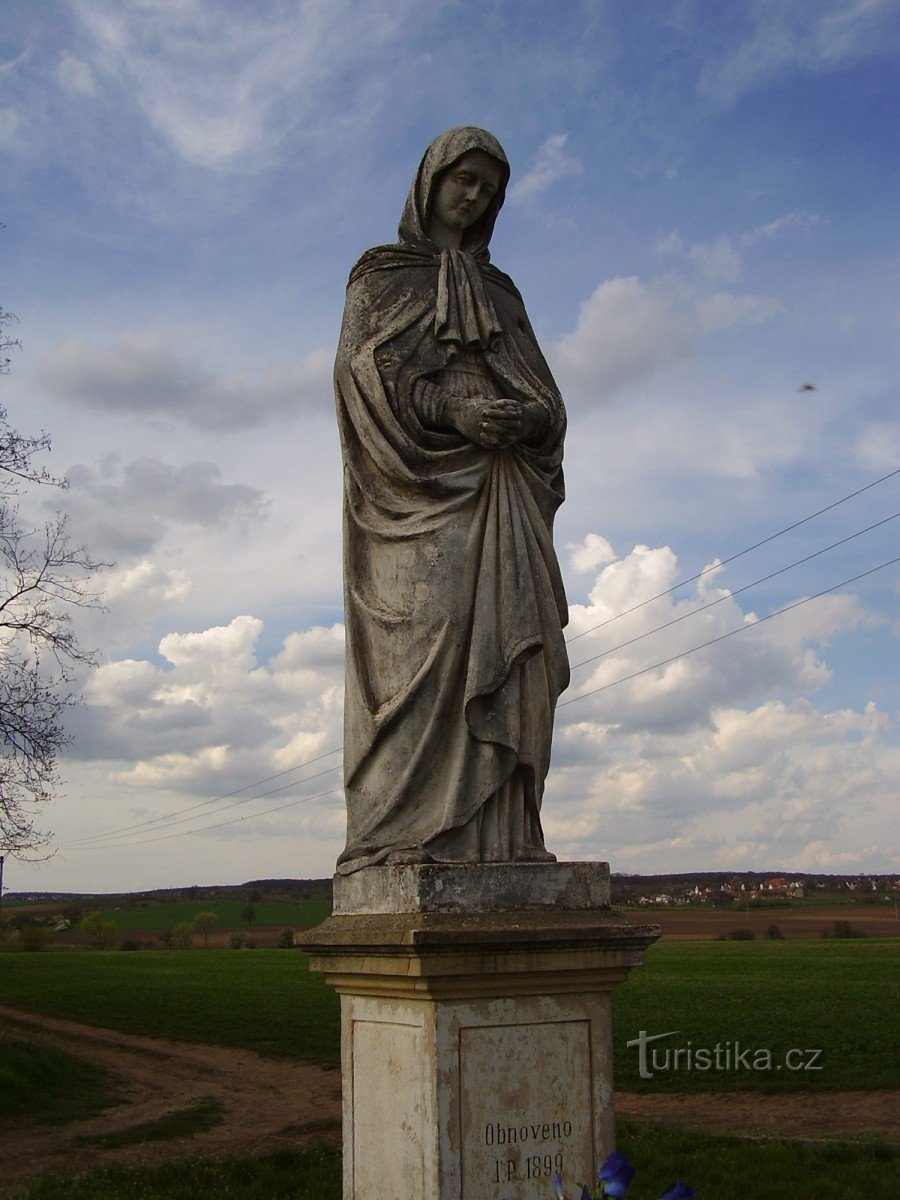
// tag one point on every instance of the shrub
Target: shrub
(286, 939)
(741, 935)
(236, 940)
(129, 944)
(845, 929)
(32, 936)
(182, 935)
(205, 923)
(774, 933)
(97, 928)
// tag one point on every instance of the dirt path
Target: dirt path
(271, 1103)
(810, 1115)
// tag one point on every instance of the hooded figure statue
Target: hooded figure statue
(452, 433)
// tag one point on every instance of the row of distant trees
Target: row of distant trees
(100, 930)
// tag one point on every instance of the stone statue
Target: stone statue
(452, 438)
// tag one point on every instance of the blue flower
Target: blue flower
(616, 1174)
(585, 1194)
(678, 1191)
(558, 1188)
(615, 1163)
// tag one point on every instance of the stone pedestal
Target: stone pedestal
(476, 1035)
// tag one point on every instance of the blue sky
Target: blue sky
(702, 218)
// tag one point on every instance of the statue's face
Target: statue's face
(465, 190)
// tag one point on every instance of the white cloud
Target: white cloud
(683, 692)
(143, 374)
(878, 446)
(784, 35)
(717, 261)
(779, 785)
(799, 222)
(626, 332)
(551, 163)
(722, 259)
(10, 64)
(133, 599)
(74, 75)
(629, 331)
(212, 714)
(592, 552)
(144, 578)
(221, 91)
(10, 121)
(222, 651)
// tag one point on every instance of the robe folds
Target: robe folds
(453, 595)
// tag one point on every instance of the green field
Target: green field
(837, 997)
(167, 913)
(840, 997)
(264, 1000)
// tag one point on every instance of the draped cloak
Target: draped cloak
(453, 595)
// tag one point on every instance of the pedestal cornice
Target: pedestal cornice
(480, 954)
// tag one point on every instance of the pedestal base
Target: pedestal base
(476, 1047)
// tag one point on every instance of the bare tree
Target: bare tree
(6, 342)
(205, 923)
(44, 576)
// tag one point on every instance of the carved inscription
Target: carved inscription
(537, 1165)
(525, 1107)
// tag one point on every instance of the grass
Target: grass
(168, 913)
(837, 996)
(719, 1168)
(264, 1000)
(39, 1084)
(182, 1123)
(314, 1125)
(840, 996)
(729, 1168)
(310, 1174)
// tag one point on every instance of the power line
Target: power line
(225, 796)
(731, 594)
(102, 837)
(219, 825)
(715, 566)
(722, 636)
